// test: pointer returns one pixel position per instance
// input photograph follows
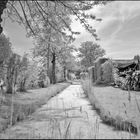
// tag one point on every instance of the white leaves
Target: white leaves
(5, 47)
(89, 52)
(55, 13)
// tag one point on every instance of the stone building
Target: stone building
(105, 70)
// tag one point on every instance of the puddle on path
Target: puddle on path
(68, 115)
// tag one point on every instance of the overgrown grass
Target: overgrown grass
(14, 108)
(62, 127)
(116, 121)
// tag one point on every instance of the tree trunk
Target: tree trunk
(22, 87)
(9, 89)
(10, 80)
(64, 73)
(48, 60)
(9, 86)
(2, 7)
(53, 68)
(68, 74)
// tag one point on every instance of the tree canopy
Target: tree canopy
(5, 48)
(89, 52)
(33, 15)
(49, 24)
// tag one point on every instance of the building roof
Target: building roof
(124, 64)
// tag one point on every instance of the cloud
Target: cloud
(109, 29)
(130, 30)
(119, 31)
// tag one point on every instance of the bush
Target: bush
(47, 81)
(86, 85)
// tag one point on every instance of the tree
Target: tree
(89, 52)
(33, 72)
(12, 72)
(137, 60)
(5, 48)
(67, 59)
(50, 46)
(5, 52)
(2, 7)
(28, 14)
(23, 73)
(33, 12)
(55, 17)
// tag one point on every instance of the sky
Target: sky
(119, 31)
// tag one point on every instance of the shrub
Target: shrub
(86, 85)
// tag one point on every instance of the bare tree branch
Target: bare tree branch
(81, 20)
(16, 12)
(37, 4)
(26, 18)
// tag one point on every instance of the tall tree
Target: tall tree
(49, 45)
(67, 59)
(55, 17)
(5, 52)
(12, 72)
(2, 7)
(5, 48)
(23, 73)
(89, 52)
(56, 43)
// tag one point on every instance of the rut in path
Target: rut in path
(67, 115)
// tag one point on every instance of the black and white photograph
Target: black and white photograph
(69, 69)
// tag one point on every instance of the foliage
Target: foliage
(2, 7)
(12, 72)
(53, 32)
(48, 22)
(89, 52)
(66, 58)
(52, 12)
(15, 68)
(23, 73)
(33, 78)
(5, 47)
(24, 105)
(57, 50)
(59, 72)
(5, 52)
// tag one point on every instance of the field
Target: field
(17, 107)
(116, 107)
(116, 101)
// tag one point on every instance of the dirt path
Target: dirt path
(68, 115)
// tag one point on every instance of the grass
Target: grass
(58, 126)
(14, 108)
(59, 123)
(113, 106)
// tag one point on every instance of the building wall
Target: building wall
(101, 73)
